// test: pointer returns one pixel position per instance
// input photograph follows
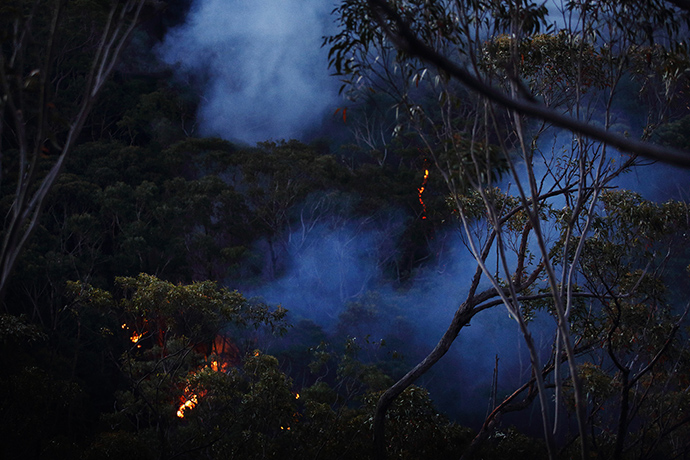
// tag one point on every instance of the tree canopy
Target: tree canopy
(132, 248)
(526, 70)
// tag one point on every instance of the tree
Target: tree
(188, 387)
(531, 239)
(525, 104)
(54, 52)
(194, 388)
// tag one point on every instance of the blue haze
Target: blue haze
(265, 76)
(264, 71)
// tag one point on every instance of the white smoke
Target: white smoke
(267, 75)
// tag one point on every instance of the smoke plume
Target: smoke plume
(337, 265)
(263, 69)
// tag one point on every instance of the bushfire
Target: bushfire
(135, 337)
(191, 398)
(187, 404)
(421, 190)
(223, 354)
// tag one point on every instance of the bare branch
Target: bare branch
(406, 41)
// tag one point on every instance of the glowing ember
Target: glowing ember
(421, 190)
(136, 337)
(222, 353)
(189, 403)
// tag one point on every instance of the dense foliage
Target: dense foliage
(121, 334)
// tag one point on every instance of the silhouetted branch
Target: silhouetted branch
(405, 40)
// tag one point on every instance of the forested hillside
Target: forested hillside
(481, 251)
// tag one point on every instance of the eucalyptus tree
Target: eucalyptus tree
(56, 56)
(179, 349)
(520, 106)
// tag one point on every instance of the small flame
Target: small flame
(189, 403)
(190, 398)
(219, 359)
(217, 366)
(421, 190)
(136, 337)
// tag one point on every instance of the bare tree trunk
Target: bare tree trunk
(31, 190)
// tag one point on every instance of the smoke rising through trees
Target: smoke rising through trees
(264, 77)
(122, 335)
(260, 64)
(333, 267)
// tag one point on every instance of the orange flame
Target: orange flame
(189, 403)
(222, 355)
(421, 190)
(136, 337)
